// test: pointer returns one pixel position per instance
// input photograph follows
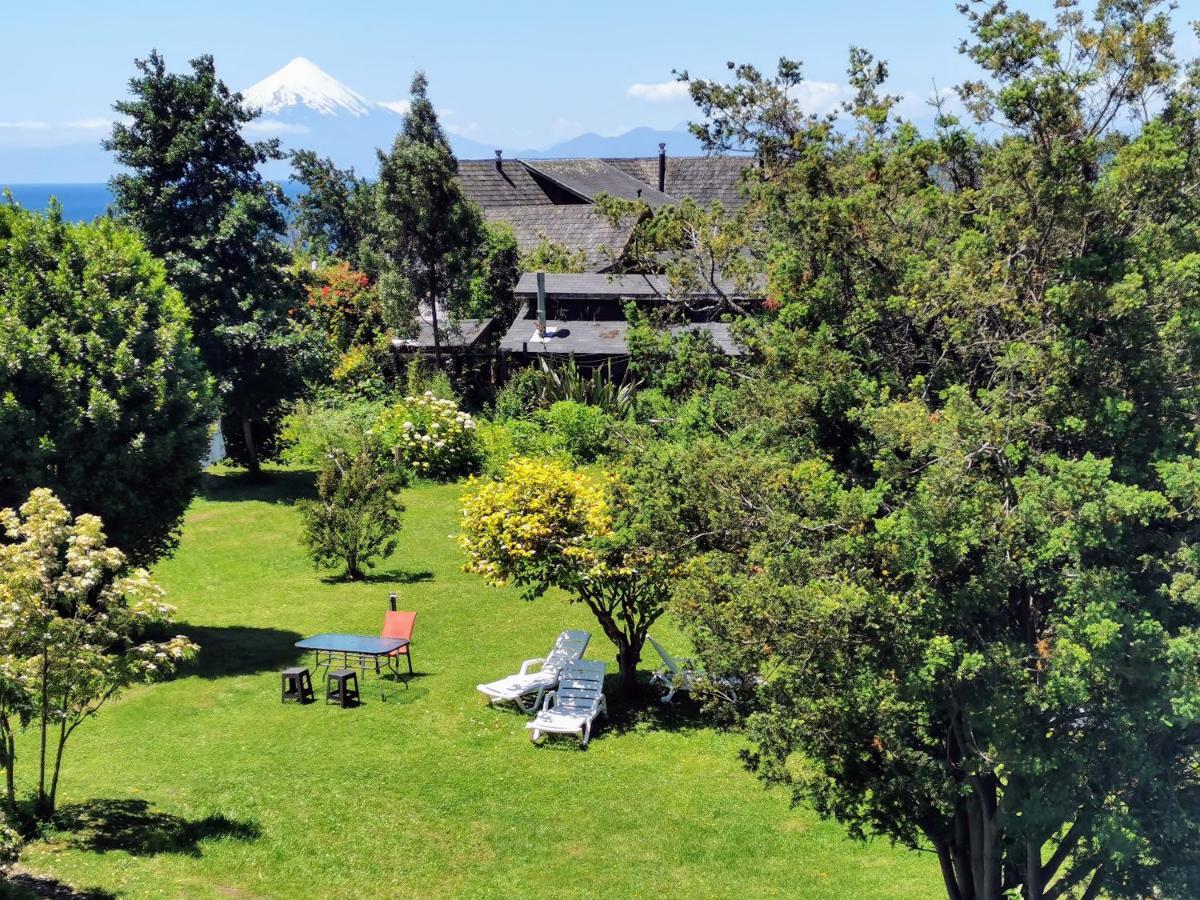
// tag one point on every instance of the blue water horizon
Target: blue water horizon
(83, 201)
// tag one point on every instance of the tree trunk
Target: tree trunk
(1033, 870)
(437, 341)
(52, 800)
(629, 654)
(251, 452)
(40, 805)
(948, 876)
(10, 761)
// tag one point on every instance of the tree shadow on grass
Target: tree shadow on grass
(23, 885)
(642, 710)
(131, 825)
(392, 576)
(274, 486)
(240, 650)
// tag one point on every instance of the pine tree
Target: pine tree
(429, 233)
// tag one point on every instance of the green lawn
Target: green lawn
(208, 787)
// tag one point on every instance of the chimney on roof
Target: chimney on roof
(662, 167)
(541, 288)
(499, 160)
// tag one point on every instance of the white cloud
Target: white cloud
(274, 126)
(664, 92)
(396, 106)
(821, 97)
(34, 133)
(95, 123)
(26, 125)
(566, 128)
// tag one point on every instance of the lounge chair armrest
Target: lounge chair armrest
(547, 699)
(530, 662)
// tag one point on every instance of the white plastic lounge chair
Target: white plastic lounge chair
(683, 675)
(676, 675)
(517, 688)
(574, 704)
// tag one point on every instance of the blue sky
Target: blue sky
(511, 72)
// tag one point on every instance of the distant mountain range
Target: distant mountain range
(305, 107)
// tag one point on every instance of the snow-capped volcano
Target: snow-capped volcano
(303, 83)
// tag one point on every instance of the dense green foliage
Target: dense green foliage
(582, 431)
(496, 272)
(948, 511)
(334, 212)
(195, 193)
(356, 516)
(551, 256)
(103, 397)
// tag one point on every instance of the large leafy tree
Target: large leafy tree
(428, 232)
(103, 396)
(195, 192)
(949, 513)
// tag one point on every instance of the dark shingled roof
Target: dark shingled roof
(575, 226)
(597, 338)
(510, 185)
(552, 197)
(599, 285)
(461, 335)
(703, 178)
(588, 177)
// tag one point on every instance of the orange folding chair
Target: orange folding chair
(400, 625)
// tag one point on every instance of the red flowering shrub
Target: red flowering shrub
(345, 306)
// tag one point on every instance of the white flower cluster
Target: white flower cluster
(436, 438)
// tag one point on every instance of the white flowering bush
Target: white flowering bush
(431, 436)
(10, 846)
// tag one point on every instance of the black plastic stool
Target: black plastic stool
(341, 687)
(296, 686)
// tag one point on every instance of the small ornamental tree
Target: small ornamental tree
(70, 632)
(543, 525)
(357, 514)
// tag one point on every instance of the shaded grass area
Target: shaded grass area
(209, 787)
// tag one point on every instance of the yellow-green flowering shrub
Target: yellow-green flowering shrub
(431, 436)
(543, 525)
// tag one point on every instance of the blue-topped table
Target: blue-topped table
(356, 651)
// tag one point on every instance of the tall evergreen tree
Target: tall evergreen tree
(195, 192)
(429, 233)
